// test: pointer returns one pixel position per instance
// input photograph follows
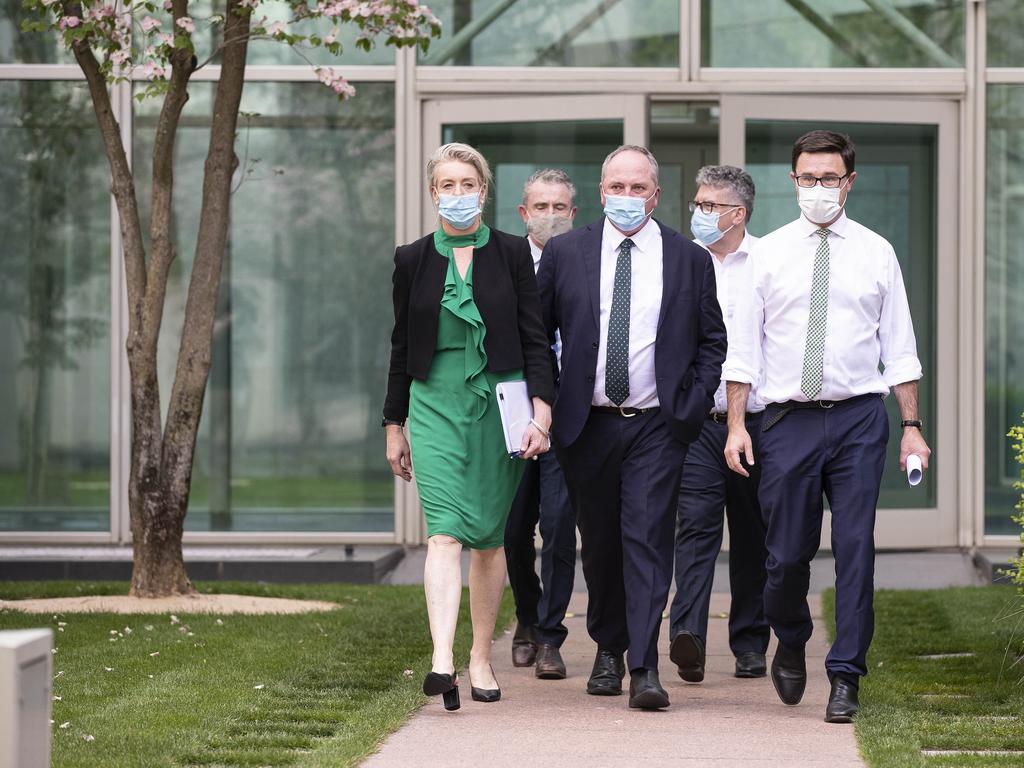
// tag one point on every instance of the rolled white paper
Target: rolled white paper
(914, 473)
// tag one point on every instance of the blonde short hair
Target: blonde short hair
(464, 154)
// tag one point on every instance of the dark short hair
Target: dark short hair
(826, 141)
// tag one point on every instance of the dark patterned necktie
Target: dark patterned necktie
(616, 370)
(817, 322)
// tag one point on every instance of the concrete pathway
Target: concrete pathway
(721, 722)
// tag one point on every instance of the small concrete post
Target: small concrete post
(26, 685)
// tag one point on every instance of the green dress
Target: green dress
(465, 478)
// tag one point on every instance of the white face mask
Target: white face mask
(819, 204)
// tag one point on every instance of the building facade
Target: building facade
(932, 92)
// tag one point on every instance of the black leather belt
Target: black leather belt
(776, 412)
(622, 410)
(722, 417)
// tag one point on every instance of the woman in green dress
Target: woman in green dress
(467, 316)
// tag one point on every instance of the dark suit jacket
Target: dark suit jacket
(689, 348)
(505, 292)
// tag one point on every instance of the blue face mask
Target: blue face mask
(705, 226)
(626, 213)
(459, 210)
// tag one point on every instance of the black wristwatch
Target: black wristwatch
(387, 422)
(911, 423)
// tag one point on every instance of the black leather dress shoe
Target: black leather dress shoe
(524, 647)
(751, 664)
(789, 674)
(549, 663)
(645, 691)
(606, 676)
(842, 702)
(687, 651)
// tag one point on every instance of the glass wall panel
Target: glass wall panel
(54, 311)
(684, 137)
(571, 33)
(1004, 301)
(895, 195)
(290, 438)
(1005, 26)
(207, 37)
(832, 33)
(17, 47)
(515, 150)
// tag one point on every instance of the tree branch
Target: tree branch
(161, 240)
(197, 335)
(122, 184)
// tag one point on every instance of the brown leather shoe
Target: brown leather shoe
(549, 663)
(524, 647)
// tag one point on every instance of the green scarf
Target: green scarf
(446, 244)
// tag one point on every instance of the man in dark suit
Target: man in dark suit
(643, 343)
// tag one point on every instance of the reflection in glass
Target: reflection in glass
(54, 311)
(1004, 301)
(684, 138)
(895, 195)
(17, 47)
(271, 52)
(832, 33)
(570, 33)
(515, 150)
(290, 438)
(1005, 27)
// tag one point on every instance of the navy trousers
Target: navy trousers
(623, 478)
(542, 499)
(840, 452)
(707, 487)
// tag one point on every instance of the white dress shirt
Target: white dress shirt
(644, 310)
(735, 292)
(868, 318)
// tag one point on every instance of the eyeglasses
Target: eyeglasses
(829, 181)
(710, 207)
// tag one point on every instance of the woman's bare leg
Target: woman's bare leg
(486, 585)
(442, 583)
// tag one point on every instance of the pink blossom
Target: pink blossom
(277, 28)
(166, 38)
(70, 22)
(119, 57)
(153, 71)
(168, 5)
(332, 37)
(149, 24)
(186, 23)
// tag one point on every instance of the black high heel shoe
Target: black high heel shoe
(485, 695)
(435, 684)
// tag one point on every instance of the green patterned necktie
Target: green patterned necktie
(616, 369)
(817, 321)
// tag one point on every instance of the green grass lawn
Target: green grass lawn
(318, 689)
(974, 702)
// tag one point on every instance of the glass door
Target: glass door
(906, 191)
(521, 135)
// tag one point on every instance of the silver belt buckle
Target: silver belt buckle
(622, 410)
(831, 404)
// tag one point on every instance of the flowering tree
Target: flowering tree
(110, 40)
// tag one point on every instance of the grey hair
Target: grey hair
(632, 148)
(550, 176)
(464, 154)
(729, 177)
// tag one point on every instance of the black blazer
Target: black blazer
(505, 292)
(689, 348)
